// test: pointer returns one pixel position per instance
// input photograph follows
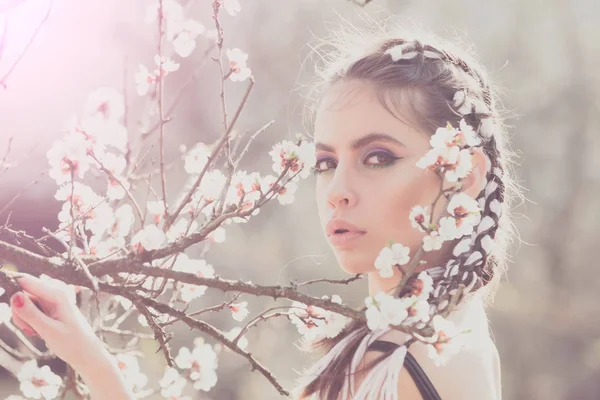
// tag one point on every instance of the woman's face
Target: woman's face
(369, 178)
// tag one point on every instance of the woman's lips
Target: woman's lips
(345, 239)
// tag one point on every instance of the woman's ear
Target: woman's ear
(475, 182)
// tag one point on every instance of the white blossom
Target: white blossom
(389, 257)
(165, 65)
(100, 133)
(196, 158)
(184, 40)
(286, 153)
(171, 383)
(239, 311)
(384, 310)
(237, 64)
(447, 340)
(38, 382)
(419, 217)
(201, 364)
(465, 214)
(470, 137)
(149, 238)
(130, 369)
(314, 322)
(123, 221)
(423, 286)
(461, 168)
(107, 102)
(181, 228)
(432, 241)
(156, 209)
(144, 79)
(68, 156)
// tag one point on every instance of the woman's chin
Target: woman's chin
(355, 265)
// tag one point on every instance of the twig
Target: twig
(160, 335)
(160, 106)
(20, 57)
(342, 281)
(212, 157)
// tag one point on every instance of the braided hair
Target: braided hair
(442, 84)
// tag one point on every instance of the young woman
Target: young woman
(382, 100)
(386, 97)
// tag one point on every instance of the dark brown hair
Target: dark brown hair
(440, 83)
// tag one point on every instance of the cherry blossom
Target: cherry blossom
(107, 102)
(422, 286)
(100, 133)
(461, 167)
(285, 194)
(149, 238)
(68, 156)
(38, 382)
(196, 158)
(201, 363)
(419, 311)
(182, 227)
(156, 209)
(239, 311)
(166, 65)
(446, 342)
(184, 40)
(130, 369)
(384, 310)
(419, 217)
(123, 221)
(469, 136)
(389, 257)
(143, 80)
(314, 322)
(451, 151)
(171, 383)
(237, 64)
(464, 215)
(432, 241)
(286, 153)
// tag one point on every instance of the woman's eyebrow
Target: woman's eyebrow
(363, 141)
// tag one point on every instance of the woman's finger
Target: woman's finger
(22, 325)
(40, 289)
(24, 308)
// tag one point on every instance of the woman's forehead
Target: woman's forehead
(352, 109)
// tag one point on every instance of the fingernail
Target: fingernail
(18, 300)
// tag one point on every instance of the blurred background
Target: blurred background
(544, 53)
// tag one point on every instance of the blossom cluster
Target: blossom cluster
(315, 323)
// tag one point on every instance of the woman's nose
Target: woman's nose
(341, 194)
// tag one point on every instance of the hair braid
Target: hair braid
(469, 266)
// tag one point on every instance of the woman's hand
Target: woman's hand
(57, 320)
(68, 334)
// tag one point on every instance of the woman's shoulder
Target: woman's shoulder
(472, 373)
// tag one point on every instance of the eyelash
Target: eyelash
(391, 160)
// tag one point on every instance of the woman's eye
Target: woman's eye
(380, 159)
(323, 165)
